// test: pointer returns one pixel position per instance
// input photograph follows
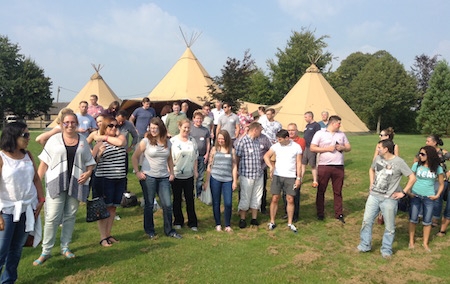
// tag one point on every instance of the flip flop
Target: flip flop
(108, 242)
(39, 262)
(111, 239)
(67, 253)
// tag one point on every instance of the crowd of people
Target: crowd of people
(181, 154)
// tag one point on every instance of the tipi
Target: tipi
(313, 93)
(187, 81)
(96, 85)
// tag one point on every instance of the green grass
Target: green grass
(321, 252)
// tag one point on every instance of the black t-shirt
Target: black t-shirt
(310, 130)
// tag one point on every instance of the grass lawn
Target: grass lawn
(321, 252)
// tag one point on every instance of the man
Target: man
(285, 175)
(208, 120)
(127, 128)
(323, 123)
(94, 109)
(172, 120)
(309, 157)
(265, 145)
(293, 135)
(86, 123)
(250, 174)
(385, 175)
(331, 143)
(229, 121)
(141, 117)
(201, 136)
(185, 108)
(217, 113)
(271, 127)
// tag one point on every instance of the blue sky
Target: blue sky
(137, 42)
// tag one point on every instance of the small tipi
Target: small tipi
(96, 85)
(313, 93)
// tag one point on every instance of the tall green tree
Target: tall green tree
(292, 62)
(434, 115)
(235, 80)
(347, 72)
(260, 89)
(24, 88)
(384, 94)
(422, 70)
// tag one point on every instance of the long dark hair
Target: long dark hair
(12, 131)
(162, 132)
(432, 158)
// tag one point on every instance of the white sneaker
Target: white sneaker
(271, 226)
(117, 217)
(177, 227)
(195, 229)
(293, 228)
(219, 228)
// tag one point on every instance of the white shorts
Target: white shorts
(251, 192)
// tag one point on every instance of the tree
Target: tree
(292, 62)
(422, 70)
(434, 114)
(384, 94)
(260, 89)
(346, 73)
(24, 89)
(235, 81)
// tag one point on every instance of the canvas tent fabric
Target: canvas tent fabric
(95, 86)
(313, 93)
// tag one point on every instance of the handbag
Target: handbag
(404, 203)
(129, 199)
(29, 242)
(96, 210)
(206, 196)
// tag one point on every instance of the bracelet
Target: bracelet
(298, 178)
(41, 199)
(404, 192)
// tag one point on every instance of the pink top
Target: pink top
(95, 111)
(324, 138)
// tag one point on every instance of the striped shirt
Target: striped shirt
(112, 163)
(222, 167)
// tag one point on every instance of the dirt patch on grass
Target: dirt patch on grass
(84, 276)
(306, 258)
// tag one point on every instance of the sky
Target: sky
(137, 42)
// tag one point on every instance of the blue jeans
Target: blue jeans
(201, 168)
(12, 239)
(151, 186)
(437, 210)
(419, 203)
(388, 208)
(224, 188)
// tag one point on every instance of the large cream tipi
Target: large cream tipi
(95, 86)
(313, 93)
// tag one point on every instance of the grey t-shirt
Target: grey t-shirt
(155, 161)
(201, 135)
(228, 123)
(388, 174)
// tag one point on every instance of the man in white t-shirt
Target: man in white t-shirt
(217, 113)
(286, 175)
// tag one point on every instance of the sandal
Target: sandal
(108, 243)
(42, 258)
(441, 233)
(67, 253)
(112, 240)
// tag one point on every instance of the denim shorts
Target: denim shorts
(112, 189)
(418, 202)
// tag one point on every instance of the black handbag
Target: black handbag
(96, 210)
(404, 203)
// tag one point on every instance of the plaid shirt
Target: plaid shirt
(249, 152)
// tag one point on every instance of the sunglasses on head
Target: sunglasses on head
(113, 125)
(25, 135)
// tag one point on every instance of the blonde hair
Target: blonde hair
(62, 113)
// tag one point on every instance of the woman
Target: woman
(112, 109)
(20, 193)
(222, 177)
(67, 164)
(245, 118)
(110, 174)
(155, 175)
(93, 136)
(184, 156)
(427, 170)
(436, 142)
(42, 138)
(387, 133)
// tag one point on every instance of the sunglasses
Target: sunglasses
(113, 125)
(422, 154)
(25, 135)
(381, 134)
